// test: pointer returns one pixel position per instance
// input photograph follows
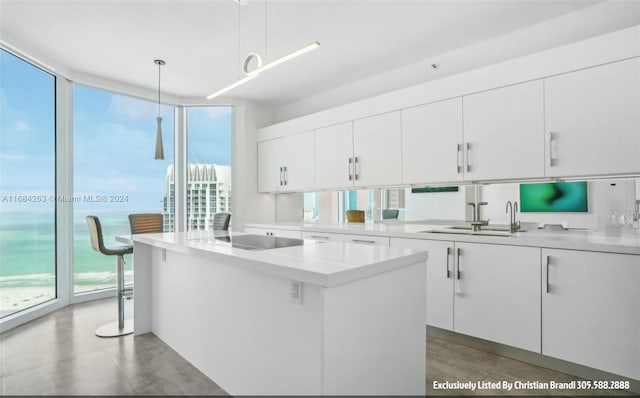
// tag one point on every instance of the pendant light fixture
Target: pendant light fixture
(249, 75)
(159, 147)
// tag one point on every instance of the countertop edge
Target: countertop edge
(551, 241)
(279, 269)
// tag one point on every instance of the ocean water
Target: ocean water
(27, 249)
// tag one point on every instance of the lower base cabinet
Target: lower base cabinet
(349, 238)
(440, 279)
(283, 233)
(591, 309)
(497, 293)
(578, 306)
(483, 290)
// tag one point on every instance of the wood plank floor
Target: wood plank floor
(59, 354)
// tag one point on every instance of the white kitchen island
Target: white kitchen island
(359, 327)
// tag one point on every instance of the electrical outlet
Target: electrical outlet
(295, 292)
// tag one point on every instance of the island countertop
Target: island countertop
(319, 263)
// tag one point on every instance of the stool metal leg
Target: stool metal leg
(120, 327)
(120, 292)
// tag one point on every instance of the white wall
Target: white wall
(599, 50)
(576, 26)
(247, 204)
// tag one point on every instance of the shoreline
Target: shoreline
(14, 299)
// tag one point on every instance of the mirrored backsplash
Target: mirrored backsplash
(604, 199)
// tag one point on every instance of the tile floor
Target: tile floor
(59, 354)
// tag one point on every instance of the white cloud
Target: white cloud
(133, 108)
(21, 126)
(13, 156)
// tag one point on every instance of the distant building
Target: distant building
(208, 192)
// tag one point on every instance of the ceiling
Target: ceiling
(203, 42)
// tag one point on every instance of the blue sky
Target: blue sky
(114, 140)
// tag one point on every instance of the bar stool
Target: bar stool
(120, 327)
(221, 221)
(355, 215)
(144, 223)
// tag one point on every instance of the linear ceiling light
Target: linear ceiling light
(261, 68)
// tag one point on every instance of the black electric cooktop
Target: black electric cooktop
(260, 242)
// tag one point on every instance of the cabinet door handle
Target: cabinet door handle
(550, 163)
(356, 169)
(468, 147)
(458, 263)
(448, 254)
(363, 241)
(459, 147)
(547, 281)
(318, 237)
(286, 175)
(350, 175)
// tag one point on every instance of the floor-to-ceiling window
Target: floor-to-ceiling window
(115, 174)
(27, 185)
(208, 164)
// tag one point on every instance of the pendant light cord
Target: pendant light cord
(238, 56)
(159, 65)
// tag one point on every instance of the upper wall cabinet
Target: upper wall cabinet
(286, 164)
(504, 133)
(377, 150)
(593, 121)
(363, 153)
(270, 166)
(334, 156)
(432, 143)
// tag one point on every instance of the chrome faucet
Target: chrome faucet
(513, 225)
(477, 222)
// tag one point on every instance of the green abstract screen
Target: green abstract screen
(554, 197)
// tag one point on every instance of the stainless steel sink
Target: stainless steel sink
(467, 230)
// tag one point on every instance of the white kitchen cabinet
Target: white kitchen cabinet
(504, 133)
(299, 161)
(269, 166)
(439, 281)
(497, 293)
(593, 121)
(432, 143)
(287, 163)
(377, 150)
(349, 238)
(590, 309)
(334, 156)
(363, 153)
(284, 233)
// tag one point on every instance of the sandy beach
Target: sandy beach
(14, 299)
